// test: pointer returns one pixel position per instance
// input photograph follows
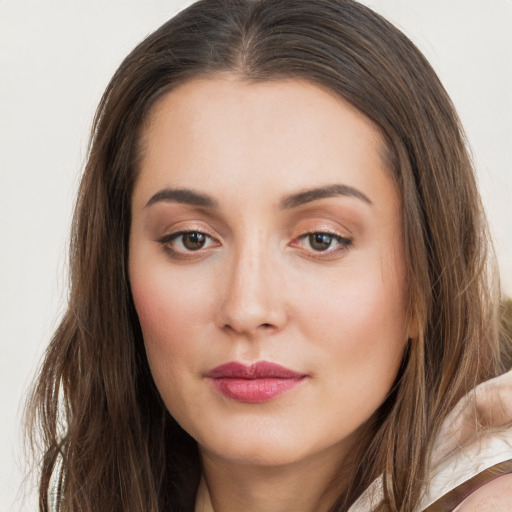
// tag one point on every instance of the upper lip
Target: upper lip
(259, 370)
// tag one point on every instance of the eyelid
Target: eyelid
(343, 243)
(333, 234)
(176, 253)
(177, 234)
(168, 230)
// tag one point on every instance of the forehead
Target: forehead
(223, 132)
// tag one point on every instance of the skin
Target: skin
(258, 290)
(495, 496)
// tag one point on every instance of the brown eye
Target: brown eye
(320, 241)
(187, 244)
(193, 240)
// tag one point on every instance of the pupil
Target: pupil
(193, 241)
(320, 241)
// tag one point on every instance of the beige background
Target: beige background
(56, 57)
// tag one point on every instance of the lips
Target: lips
(255, 383)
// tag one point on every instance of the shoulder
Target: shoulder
(495, 495)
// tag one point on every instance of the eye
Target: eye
(322, 242)
(187, 241)
(193, 240)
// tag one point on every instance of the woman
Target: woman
(281, 298)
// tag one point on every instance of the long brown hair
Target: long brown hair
(108, 441)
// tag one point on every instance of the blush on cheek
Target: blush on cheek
(369, 318)
(147, 305)
(143, 305)
(170, 315)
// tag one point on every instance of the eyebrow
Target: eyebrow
(182, 195)
(191, 197)
(307, 196)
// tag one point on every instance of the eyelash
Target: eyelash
(343, 244)
(167, 240)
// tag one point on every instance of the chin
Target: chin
(256, 453)
(261, 446)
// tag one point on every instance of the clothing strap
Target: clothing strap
(451, 500)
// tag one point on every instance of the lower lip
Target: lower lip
(254, 390)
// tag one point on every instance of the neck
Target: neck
(302, 487)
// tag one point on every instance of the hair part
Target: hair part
(95, 402)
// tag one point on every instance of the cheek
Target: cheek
(358, 322)
(358, 301)
(167, 302)
(173, 315)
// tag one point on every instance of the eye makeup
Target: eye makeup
(324, 231)
(187, 244)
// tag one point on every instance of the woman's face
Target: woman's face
(267, 267)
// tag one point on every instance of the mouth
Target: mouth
(255, 383)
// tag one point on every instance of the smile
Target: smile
(256, 383)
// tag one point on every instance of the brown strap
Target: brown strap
(455, 497)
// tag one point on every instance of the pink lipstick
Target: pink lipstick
(256, 383)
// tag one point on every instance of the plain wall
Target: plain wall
(57, 56)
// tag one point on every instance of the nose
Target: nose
(253, 300)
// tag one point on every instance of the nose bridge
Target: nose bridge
(251, 300)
